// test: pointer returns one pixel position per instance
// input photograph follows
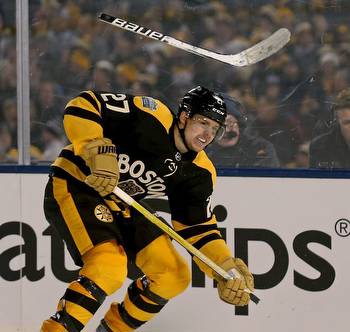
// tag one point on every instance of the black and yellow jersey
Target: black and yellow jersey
(150, 165)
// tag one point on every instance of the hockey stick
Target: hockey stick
(152, 217)
(254, 54)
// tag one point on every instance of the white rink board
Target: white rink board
(286, 207)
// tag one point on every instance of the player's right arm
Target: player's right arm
(83, 126)
(82, 120)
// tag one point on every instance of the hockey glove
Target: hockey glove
(233, 291)
(101, 157)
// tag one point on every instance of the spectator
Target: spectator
(301, 159)
(53, 142)
(332, 149)
(341, 79)
(277, 127)
(102, 76)
(329, 63)
(8, 81)
(305, 48)
(6, 145)
(237, 148)
(125, 75)
(8, 148)
(77, 65)
(48, 102)
(66, 39)
(272, 88)
(9, 117)
(309, 111)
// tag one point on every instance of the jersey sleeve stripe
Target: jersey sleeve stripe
(76, 160)
(90, 99)
(83, 103)
(196, 230)
(81, 113)
(64, 168)
(204, 240)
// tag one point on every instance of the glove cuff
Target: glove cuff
(101, 147)
(228, 264)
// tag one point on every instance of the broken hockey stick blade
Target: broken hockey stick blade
(152, 217)
(254, 54)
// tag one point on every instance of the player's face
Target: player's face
(200, 131)
(344, 122)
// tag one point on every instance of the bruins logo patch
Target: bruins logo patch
(102, 213)
(131, 187)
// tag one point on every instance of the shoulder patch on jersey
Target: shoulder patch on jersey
(149, 102)
(155, 108)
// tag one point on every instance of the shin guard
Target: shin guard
(79, 303)
(139, 306)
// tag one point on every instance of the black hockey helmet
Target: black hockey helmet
(234, 107)
(200, 100)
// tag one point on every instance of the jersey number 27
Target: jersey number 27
(116, 103)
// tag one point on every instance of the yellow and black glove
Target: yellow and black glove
(101, 157)
(233, 291)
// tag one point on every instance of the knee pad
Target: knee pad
(169, 279)
(106, 265)
(174, 280)
(165, 267)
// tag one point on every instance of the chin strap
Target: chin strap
(182, 134)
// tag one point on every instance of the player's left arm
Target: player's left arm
(192, 213)
(198, 226)
(206, 237)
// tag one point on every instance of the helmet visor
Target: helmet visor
(217, 131)
(220, 133)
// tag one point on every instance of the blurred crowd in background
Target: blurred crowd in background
(287, 98)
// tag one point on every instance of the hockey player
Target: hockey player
(136, 142)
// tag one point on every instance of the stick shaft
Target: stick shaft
(168, 230)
